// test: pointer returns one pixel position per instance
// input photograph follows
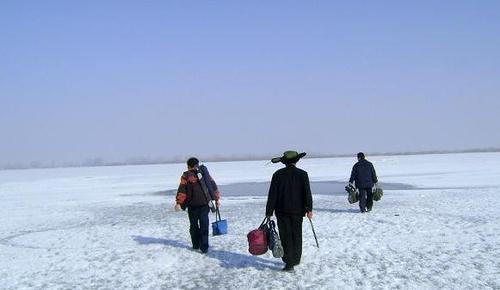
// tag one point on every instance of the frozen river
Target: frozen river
(437, 227)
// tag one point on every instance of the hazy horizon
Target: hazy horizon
(119, 80)
(142, 160)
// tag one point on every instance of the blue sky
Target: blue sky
(121, 79)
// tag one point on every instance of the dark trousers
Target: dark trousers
(198, 220)
(290, 228)
(365, 199)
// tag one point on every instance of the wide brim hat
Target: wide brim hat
(289, 157)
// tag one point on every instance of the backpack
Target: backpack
(258, 239)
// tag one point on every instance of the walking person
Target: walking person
(290, 199)
(192, 196)
(365, 179)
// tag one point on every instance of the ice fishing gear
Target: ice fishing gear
(257, 239)
(314, 232)
(219, 227)
(274, 243)
(378, 193)
(207, 179)
(204, 179)
(353, 193)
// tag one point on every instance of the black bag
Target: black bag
(205, 190)
(206, 179)
(353, 194)
(274, 241)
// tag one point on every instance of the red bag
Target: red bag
(257, 240)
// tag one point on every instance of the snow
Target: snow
(115, 228)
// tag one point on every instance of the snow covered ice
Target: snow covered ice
(437, 227)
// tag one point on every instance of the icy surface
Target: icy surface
(115, 228)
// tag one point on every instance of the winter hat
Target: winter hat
(289, 157)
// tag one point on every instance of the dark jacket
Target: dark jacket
(363, 174)
(290, 192)
(190, 192)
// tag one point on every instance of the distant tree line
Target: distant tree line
(92, 162)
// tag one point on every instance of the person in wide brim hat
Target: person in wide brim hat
(290, 198)
(289, 157)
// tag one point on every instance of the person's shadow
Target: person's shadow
(150, 241)
(228, 260)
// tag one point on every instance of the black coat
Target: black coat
(363, 173)
(290, 192)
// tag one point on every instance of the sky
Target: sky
(171, 79)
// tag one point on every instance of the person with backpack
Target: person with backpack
(365, 179)
(290, 199)
(195, 198)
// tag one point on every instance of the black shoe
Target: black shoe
(368, 209)
(288, 268)
(204, 251)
